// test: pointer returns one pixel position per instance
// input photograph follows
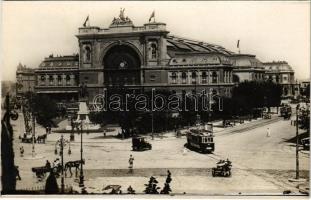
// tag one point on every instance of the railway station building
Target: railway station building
(123, 56)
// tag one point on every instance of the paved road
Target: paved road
(260, 164)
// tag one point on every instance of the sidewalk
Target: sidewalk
(198, 182)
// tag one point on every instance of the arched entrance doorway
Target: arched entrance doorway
(121, 67)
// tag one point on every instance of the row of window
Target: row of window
(60, 80)
(257, 76)
(279, 78)
(126, 80)
(59, 64)
(203, 78)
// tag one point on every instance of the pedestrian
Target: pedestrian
(56, 162)
(48, 164)
(51, 186)
(104, 133)
(21, 150)
(47, 130)
(268, 132)
(17, 173)
(131, 163)
(184, 151)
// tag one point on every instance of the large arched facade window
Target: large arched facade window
(42, 80)
(214, 77)
(51, 80)
(67, 80)
(194, 77)
(174, 77)
(183, 77)
(59, 80)
(235, 78)
(204, 78)
(122, 62)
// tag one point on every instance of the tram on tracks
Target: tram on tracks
(201, 138)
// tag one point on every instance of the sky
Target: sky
(273, 31)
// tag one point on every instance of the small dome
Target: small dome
(245, 60)
(280, 66)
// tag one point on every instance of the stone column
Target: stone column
(199, 77)
(208, 76)
(218, 77)
(230, 79)
(189, 77)
(225, 77)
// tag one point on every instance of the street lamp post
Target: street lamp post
(152, 134)
(33, 119)
(33, 134)
(297, 140)
(72, 136)
(81, 183)
(62, 142)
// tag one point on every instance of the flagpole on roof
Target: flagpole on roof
(86, 22)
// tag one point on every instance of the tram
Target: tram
(201, 138)
(286, 111)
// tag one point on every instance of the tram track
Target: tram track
(248, 127)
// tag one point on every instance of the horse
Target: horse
(76, 164)
(41, 138)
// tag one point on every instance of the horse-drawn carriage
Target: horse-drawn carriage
(40, 172)
(27, 138)
(140, 144)
(41, 138)
(223, 168)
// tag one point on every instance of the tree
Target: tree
(151, 187)
(250, 95)
(273, 93)
(304, 118)
(306, 91)
(45, 108)
(167, 189)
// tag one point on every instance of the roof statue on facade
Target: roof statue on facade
(121, 16)
(122, 20)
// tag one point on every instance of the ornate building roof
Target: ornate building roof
(277, 67)
(177, 44)
(243, 61)
(70, 61)
(23, 69)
